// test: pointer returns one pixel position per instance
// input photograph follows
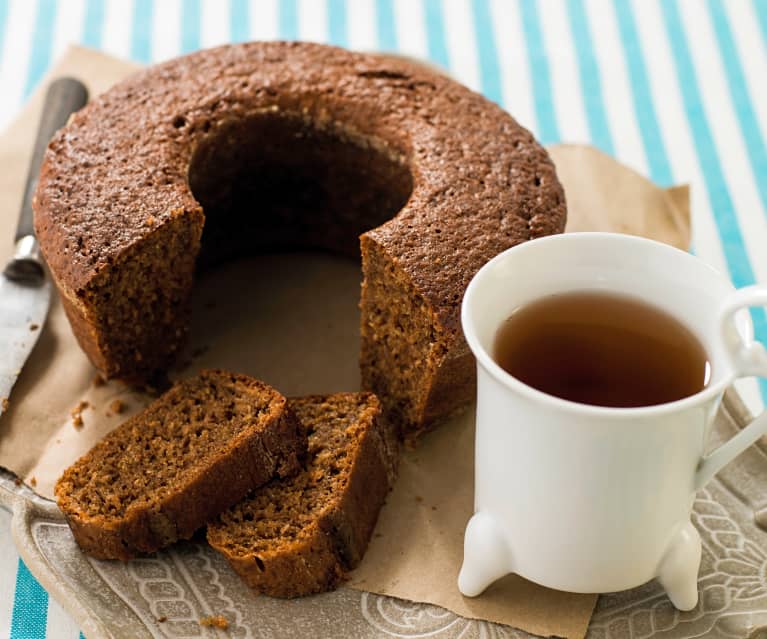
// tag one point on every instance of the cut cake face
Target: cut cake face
(164, 473)
(301, 535)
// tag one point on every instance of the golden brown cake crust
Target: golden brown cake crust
(118, 174)
(300, 536)
(167, 471)
(481, 182)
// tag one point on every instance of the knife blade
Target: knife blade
(25, 288)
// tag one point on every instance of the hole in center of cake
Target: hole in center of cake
(277, 181)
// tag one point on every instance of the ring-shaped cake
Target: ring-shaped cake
(266, 146)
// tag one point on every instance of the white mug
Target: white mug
(586, 498)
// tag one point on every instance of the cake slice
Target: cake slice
(192, 453)
(299, 536)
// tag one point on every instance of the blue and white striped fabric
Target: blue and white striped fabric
(674, 88)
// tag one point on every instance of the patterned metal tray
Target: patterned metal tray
(188, 582)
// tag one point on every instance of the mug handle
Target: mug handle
(747, 358)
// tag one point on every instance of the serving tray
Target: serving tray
(167, 595)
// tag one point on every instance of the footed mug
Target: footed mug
(587, 498)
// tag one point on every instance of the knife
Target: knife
(25, 289)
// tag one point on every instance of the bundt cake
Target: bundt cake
(264, 146)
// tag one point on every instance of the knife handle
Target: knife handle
(64, 97)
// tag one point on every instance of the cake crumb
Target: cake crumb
(5, 403)
(81, 406)
(418, 498)
(162, 619)
(98, 380)
(77, 414)
(33, 481)
(434, 508)
(34, 327)
(150, 221)
(117, 406)
(217, 621)
(16, 481)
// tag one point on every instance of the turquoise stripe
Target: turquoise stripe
(760, 8)
(141, 38)
(191, 14)
(749, 123)
(30, 606)
(644, 106)
(591, 83)
(337, 22)
(547, 127)
(288, 19)
(721, 203)
(94, 23)
(3, 18)
(387, 30)
(42, 43)
(239, 26)
(435, 33)
(489, 72)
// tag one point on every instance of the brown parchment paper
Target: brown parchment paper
(292, 320)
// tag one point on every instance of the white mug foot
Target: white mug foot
(678, 571)
(486, 555)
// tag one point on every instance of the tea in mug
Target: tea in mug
(603, 349)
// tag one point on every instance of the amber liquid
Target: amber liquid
(602, 349)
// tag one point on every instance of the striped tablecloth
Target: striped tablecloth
(675, 89)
